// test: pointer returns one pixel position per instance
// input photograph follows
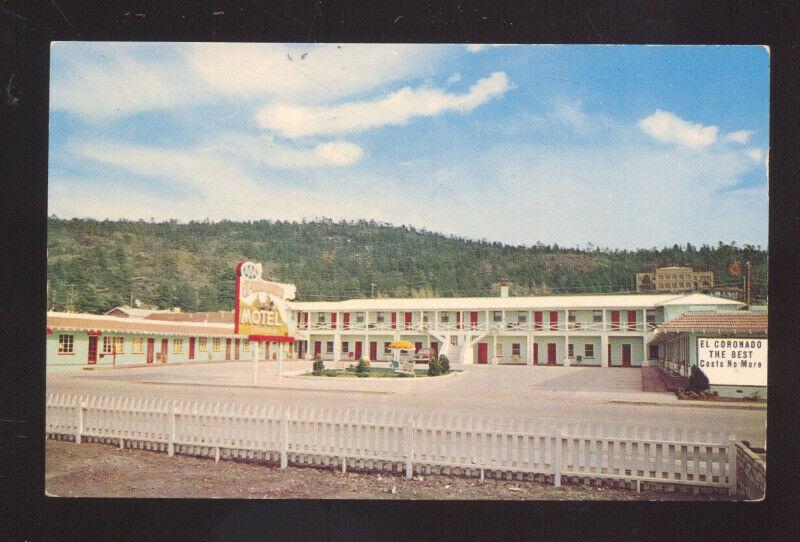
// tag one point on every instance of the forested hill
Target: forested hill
(96, 265)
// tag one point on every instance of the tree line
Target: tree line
(94, 265)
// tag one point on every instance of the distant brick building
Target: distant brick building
(674, 279)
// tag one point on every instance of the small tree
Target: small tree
(445, 364)
(434, 367)
(362, 369)
(698, 381)
(318, 366)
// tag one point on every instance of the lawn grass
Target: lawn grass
(372, 372)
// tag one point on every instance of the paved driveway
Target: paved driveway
(571, 394)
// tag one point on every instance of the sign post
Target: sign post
(261, 311)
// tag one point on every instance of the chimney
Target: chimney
(503, 289)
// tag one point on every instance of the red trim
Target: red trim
(270, 338)
(94, 333)
(49, 330)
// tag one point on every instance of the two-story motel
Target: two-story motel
(585, 330)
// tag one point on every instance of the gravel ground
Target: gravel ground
(102, 470)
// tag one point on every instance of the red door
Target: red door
(614, 320)
(191, 347)
(632, 320)
(345, 320)
(151, 348)
(609, 355)
(407, 319)
(458, 319)
(373, 351)
(92, 350)
(473, 320)
(333, 320)
(553, 320)
(164, 350)
(435, 348)
(483, 352)
(317, 348)
(537, 320)
(358, 350)
(236, 349)
(626, 355)
(227, 349)
(394, 320)
(417, 347)
(551, 353)
(536, 352)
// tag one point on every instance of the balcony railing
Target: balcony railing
(488, 327)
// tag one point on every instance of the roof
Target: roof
(626, 301)
(718, 322)
(118, 324)
(132, 311)
(218, 317)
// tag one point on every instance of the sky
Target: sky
(614, 146)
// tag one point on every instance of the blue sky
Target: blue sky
(618, 146)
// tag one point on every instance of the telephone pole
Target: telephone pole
(749, 285)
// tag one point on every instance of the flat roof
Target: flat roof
(120, 324)
(625, 301)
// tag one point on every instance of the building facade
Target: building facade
(674, 279)
(592, 330)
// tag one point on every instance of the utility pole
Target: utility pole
(749, 285)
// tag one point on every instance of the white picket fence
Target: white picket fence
(399, 441)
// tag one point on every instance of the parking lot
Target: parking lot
(571, 394)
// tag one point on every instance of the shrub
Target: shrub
(318, 366)
(698, 381)
(434, 367)
(445, 363)
(362, 369)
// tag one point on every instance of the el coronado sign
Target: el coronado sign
(733, 362)
(260, 309)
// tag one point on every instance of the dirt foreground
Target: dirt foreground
(102, 470)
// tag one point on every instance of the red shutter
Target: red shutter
(537, 320)
(536, 351)
(553, 320)
(191, 347)
(333, 320)
(614, 320)
(346, 320)
(417, 347)
(394, 320)
(408, 317)
(473, 320)
(458, 319)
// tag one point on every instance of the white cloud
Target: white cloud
(294, 121)
(307, 73)
(265, 150)
(475, 47)
(669, 128)
(755, 154)
(455, 78)
(741, 136)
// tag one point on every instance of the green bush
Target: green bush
(434, 367)
(362, 369)
(318, 366)
(698, 381)
(445, 363)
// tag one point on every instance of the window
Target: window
(345, 347)
(522, 317)
(137, 345)
(570, 316)
(107, 345)
(246, 345)
(216, 344)
(497, 316)
(202, 344)
(66, 344)
(445, 318)
(118, 344)
(597, 316)
(425, 317)
(320, 318)
(379, 318)
(177, 346)
(386, 349)
(515, 350)
(652, 351)
(329, 347)
(360, 317)
(454, 340)
(588, 351)
(499, 352)
(650, 316)
(571, 351)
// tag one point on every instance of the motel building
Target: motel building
(567, 330)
